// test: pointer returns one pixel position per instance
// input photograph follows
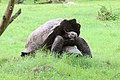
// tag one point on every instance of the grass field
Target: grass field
(103, 38)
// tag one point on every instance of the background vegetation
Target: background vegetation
(102, 36)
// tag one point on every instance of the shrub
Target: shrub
(105, 14)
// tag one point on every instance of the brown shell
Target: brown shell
(38, 36)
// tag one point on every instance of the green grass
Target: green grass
(103, 38)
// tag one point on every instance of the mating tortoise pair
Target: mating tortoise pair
(58, 35)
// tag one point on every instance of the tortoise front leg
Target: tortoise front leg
(58, 44)
(83, 46)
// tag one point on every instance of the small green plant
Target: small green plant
(105, 14)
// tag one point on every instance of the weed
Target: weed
(105, 14)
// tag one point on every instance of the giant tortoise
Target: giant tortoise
(58, 35)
